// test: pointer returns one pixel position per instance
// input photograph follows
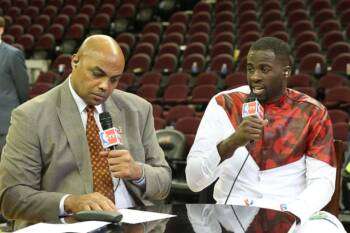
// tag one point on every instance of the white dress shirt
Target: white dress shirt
(305, 186)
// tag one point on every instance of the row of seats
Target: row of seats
(41, 25)
(172, 38)
(168, 61)
(155, 86)
(183, 88)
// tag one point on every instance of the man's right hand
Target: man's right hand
(250, 129)
(91, 201)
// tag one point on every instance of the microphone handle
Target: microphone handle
(117, 147)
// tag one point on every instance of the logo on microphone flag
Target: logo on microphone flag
(253, 108)
(110, 137)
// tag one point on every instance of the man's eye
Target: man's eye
(250, 70)
(96, 73)
(265, 69)
(114, 80)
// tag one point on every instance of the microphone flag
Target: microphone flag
(253, 108)
(110, 137)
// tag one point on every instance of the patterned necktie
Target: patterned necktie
(102, 180)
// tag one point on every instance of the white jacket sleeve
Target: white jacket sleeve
(320, 185)
(203, 159)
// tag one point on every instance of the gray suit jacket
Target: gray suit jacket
(13, 83)
(46, 155)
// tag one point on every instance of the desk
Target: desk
(210, 218)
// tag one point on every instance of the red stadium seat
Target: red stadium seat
(176, 94)
(169, 48)
(57, 30)
(220, 61)
(299, 80)
(178, 112)
(310, 61)
(194, 63)
(179, 17)
(62, 19)
(338, 115)
(195, 48)
(139, 63)
(179, 78)
(166, 63)
(148, 92)
(207, 78)
(35, 30)
(340, 63)
(235, 80)
(202, 94)
(50, 11)
(69, 10)
(127, 38)
(152, 77)
(144, 47)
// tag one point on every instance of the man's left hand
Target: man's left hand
(122, 165)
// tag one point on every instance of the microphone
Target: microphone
(93, 215)
(110, 136)
(252, 107)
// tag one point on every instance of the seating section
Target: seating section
(178, 58)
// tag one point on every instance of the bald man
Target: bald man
(46, 168)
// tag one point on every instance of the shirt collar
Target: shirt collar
(79, 101)
(279, 102)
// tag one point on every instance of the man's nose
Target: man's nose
(104, 84)
(256, 76)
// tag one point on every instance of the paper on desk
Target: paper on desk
(80, 227)
(138, 216)
(129, 216)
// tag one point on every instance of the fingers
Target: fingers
(126, 158)
(254, 122)
(117, 153)
(92, 201)
(250, 129)
(103, 203)
(126, 170)
(96, 206)
(111, 205)
(122, 171)
(113, 153)
(106, 205)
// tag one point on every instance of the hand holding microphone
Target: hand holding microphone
(251, 128)
(121, 163)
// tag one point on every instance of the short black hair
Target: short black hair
(2, 22)
(278, 46)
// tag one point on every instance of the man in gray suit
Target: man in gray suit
(13, 83)
(46, 168)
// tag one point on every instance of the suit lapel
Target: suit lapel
(2, 46)
(69, 116)
(118, 117)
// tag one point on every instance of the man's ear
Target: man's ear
(287, 71)
(74, 61)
